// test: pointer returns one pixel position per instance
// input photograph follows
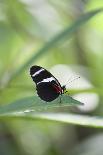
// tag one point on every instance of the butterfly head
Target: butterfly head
(64, 89)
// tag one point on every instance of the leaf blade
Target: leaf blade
(36, 104)
(50, 44)
(74, 119)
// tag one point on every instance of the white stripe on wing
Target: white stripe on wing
(38, 72)
(47, 80)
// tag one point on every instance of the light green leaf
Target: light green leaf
(65, 34)
(28, 108)
(36, 104)
(83, 120)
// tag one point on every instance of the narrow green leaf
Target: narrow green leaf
(59, 37)
(36, 104)
(83, 120)
(28, 108)
(69, 118)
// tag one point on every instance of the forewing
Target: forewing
(38, 74)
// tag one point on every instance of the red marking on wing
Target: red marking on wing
(57, 88)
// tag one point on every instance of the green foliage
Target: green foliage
(36, 104)
(27, 39)
(66, 33)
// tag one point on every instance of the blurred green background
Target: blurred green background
(26, 26)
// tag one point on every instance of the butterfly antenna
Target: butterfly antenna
(72, 80)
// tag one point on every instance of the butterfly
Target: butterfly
(47, 86)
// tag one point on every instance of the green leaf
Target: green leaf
(28, 108)
(92, 121)
(65, 34)
(36, 104)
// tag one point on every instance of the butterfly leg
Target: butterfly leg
(60, 99)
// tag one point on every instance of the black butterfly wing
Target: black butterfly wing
(46, 91)
(40, 74)
(47, 86)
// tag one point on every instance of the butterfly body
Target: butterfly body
(47, 86)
